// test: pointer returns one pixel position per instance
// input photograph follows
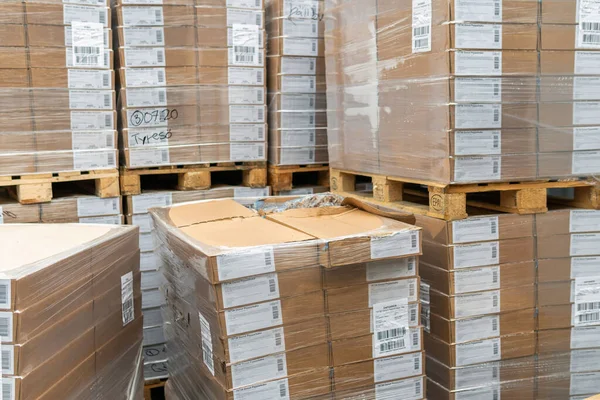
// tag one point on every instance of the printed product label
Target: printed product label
(475, 229)
(148, 261)
(88, 44)
(106, 220)
(246, 55)
(391, 269)
(586, 113)
(243, 113)
(470, 169)
(398, 367)
(86, 160)
(587, 63)
(146, 97)
(249, 290)
(5, 287)
(246, 76)
(478, 10)
(393, 290)
(256, 4)
(298, 137)
(246, 95)
(127, 297)
(258, 370)
(481, 393)
(276, 390)
(478, 352)
(1, 215)
(425, 295)
(139, 77)
(585, 383)
(241, 192)
(142, 16)
(405, 389)
(245, 263)
(291, 120)
(143, 221)
(468, 143)
(144, 36)
(585, 244)
(91, 140)
(91, 99)
(586, 88)
(89, 79)
(252, 318)
(145, 57)
(586, 290)
(300, 47)
(297, 156)
(588, 30)
(75, 13)
(390, 328)
(247, 151)
(395, 245)
(478, 89)
(475, 279)
(94, 206)
(584, 337)
(421, 26)
(477, 328)
(478, 36)
(586, 162)
(300, 28)
(206, 342)
(584, 267)
(146, 243)
(246, 132)
(103, 60)
(473, 376)
(261, 37)
(584, 360)
(586, 138)
(86, 2)
(478, 63)
(69, 37)
(298, 84)
(475, 116)
(584, 221)
(8, 388)
(476, 255)
(298, 102)
(468, 305)
(257, 344)
(142, 202)
(8, 362)
(298, 65)
(147, 157)
(244, 17)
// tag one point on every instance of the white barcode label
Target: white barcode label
(143, 221)
(254, 317)
(584, 267)
(587, 63)
(5, 287)
(246, 95)
(421, 26)
(298, 84)
(425, 295)
(258, 370)
(584, 221)
(255, 4)
(148, 262)
(88, 160)
(586, 113)
(91, 99)
(8, 388)
(390, 328)
(8, 361)
(475, 229)
(241, 192)
(77, 13)
(246, 132)
(88, 44)
(472, 376)
(141, 203)
(142, 16)
(584, 337)
(476, 254)
(245, 45)
(405, 389)
(299, 137)
(477, 89)
(206, 343)
(468, 305)
(290, 156)
(478, 11)
(142, 2)
(105, 220)
(475, 279)
(586, 138)
(586, 162)
(83, 120)
(298, 102)
(148, 157)
(397, 367)
(275, 390)
(69, 37)
(298, 66)
(585, 244)
(92, 140)
(586, 291)
(103, 59)
(300, 46)
(246, 151)
(145, 57)
(468, 143)
(479, 393)
(246, 113)
(246, 76)
(245, 263)
(144, 36)
(391, 269)
(291, 120)
(478, 63)
(244, 17)
(470, 329)
(395, 245)
(257, 344)
(1, 215)
(478, 352)
(300, 28)
(588, 30)
(586, 88)
(127, 298)
(140, 77)
(584, 360)
(146, 244)
(585, 383)
(393, 290)
(472, 169)
(89, 79)
(6, 327)
(249, 290)
(146, 97)
(478, 36)
(476, 116)
(95, 206)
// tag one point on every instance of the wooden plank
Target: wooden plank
(16, 180)
(281, 177)
(196, 180)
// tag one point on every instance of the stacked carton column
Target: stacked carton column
(192, 82)
(568, 250)
(57, 87)
(296, 83)
(480, 309)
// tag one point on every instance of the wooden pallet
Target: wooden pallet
(284, 177)
(450, 202)
(153, 386)
(37, 188)
(194, 177)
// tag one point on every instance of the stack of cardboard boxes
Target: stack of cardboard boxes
(281, 307)
(57, 87)
(479, 278)
(71, 312)
(192, 81)
(296, 83)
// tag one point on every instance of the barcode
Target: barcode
(494, 248)
(106, 61)
(413, 241)
(588, 306)
(282, 388)
(312, 65)
(495, 171)
(415, 339)
(311, 137)
(312, 84)
(494, 324)
(158, 15)
(411, 290)
(4, 294)
(162, 96)
(411, 263)
(261, 135)
(311, 155)
(207, 354)
(278, 339)
(391, 333)
(115, 205)
(413, 315)
(590, 26)
(165, 155)
(589, 317)
(280, 365)
(161, 76)
(268, 260)
(422, 43)
(106, 79)
(109, 140)
(496, 348)
(272, 287)
(496, 89)
(496, 115)
(495, 301)
(495, 372)
(421, 30)
(86, 60)
(418, 387)
(259, 76)
(311, 120)
(314, 47)
(110, 160)
(589, 38)
(259, 96)
(497, 8)
(7, 390)
(497, 36)
(258, 19)
(160, 57)
(102, 17)
(5, 360)
(108, 120)
(495, 277)
(417, 365)
(159, 36)
(257, 3)
(495, 145)
(314, 27)
(245, 49)
(496, 62)
(244, 58)
(261, 115)
(275, 310)
(261, 152)
(390, 346)
(495, 395)
(311, 102)
(107, 100)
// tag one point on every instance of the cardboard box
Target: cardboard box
(58, 14)
(360, 274)
(576, 244)
(565, 269)
(562, 385)
(296, 46)
(411, 388)
(567, 62)
(563, 316)
(561, 221)
(166, 15)
(297, 137)
(524, 389)
(297, 84)
(287, 65)
(555, 341)
(565, 164)
(559, 37)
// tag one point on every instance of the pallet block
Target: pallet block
(281, 177)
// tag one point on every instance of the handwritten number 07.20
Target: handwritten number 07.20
(140, 117)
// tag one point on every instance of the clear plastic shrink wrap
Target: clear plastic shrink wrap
(291, 299)
(458, 91)
(192, 82)
(57, 83)
(71, 312)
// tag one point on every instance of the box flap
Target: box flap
(189, 214)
